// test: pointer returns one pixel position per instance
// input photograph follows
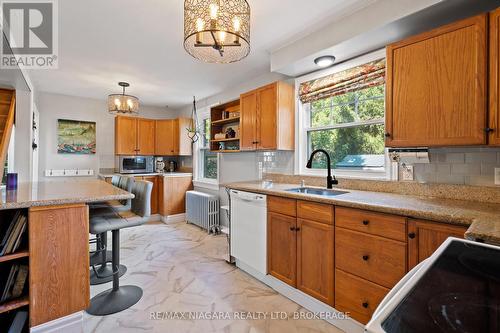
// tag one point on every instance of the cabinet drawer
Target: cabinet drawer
(380, 260)
(357, 296)
(315, 211)
(282, 205)
(385, 225)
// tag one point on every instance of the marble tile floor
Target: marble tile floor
(182, 269)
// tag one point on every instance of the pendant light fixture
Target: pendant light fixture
(122, 103)
(217, 31)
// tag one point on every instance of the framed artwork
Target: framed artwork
(76, 137)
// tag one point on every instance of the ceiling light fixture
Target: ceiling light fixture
(217, 31)
(324, 61)
(122, 103)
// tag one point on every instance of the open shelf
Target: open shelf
(14, 304)
(16, 255)
(225, 140)
(226, 121)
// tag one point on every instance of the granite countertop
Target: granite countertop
(50, 193)
(483, 219)
(164, 174)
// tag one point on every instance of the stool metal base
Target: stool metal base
(106, 273)
(113, 301)
(96, 258)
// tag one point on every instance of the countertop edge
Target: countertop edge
(479, 229)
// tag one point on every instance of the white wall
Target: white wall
(23, 156)
(53, 106)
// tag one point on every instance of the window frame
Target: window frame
(198, 158)
(302, 127)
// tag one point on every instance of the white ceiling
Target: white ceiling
(102, 42)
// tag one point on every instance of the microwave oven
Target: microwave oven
(135, 164)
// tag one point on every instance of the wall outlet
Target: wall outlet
(497, 176)
(407, 172)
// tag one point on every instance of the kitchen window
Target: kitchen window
(342, 111)
(206, 162)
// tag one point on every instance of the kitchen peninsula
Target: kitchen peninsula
(56, 247)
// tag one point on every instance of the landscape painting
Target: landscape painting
(76, 137)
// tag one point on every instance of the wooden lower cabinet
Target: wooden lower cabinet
(61, 248)
(172, 194)
(377, 259)
(315, 259)
(424, 237)
(357, 296)
(282, 247)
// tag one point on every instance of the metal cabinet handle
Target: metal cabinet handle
(297, 229)
(292, 228)
(387, 135)
(411, 235)
(365, 305)
(366, 257)
(366, 222)
(489, 130)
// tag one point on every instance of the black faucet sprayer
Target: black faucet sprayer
(330, 181)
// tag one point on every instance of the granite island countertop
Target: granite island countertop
(483, 219)
(51, 193)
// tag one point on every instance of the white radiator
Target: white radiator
(202, 209)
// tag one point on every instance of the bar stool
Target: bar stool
(119, 297)
(102, 256)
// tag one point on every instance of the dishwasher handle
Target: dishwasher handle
(247, 196)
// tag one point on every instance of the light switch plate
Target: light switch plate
(497, 176)
(408, 172)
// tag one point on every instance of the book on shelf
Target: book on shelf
(19, 322)
(14, 285)
(13, 234)
(5, 229)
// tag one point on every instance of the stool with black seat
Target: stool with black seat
(119, 297)
(102, 256)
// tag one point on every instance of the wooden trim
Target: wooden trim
(42, 208)
(14, 304)
(16, 255)
(7, 130)
(494, 78)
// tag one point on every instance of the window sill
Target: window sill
(206, 184)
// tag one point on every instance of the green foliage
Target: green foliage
(354, 139)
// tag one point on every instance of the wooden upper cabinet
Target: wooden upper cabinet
(436, 86)
(268, 118)
(145, 136)
(125, 135)
(282, 247)
(171, 137)
(494, 82)
(164, 137)
(425, 237)
(248, 121)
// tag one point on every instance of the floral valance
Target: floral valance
(353, 79)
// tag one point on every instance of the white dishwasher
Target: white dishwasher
(249, 230)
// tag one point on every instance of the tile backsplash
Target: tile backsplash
(468, 166)
(275, 162)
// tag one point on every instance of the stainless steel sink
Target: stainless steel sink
(316, 191)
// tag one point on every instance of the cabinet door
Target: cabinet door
(154, 194)
(125, 136)
(248, 121)
(266, 120)
(494, 115)
(59, 282)
(315, 267)
(436, 87)
(146, 136)
(175, 136)
(282, 247)
(164, 138)
(425, 237)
